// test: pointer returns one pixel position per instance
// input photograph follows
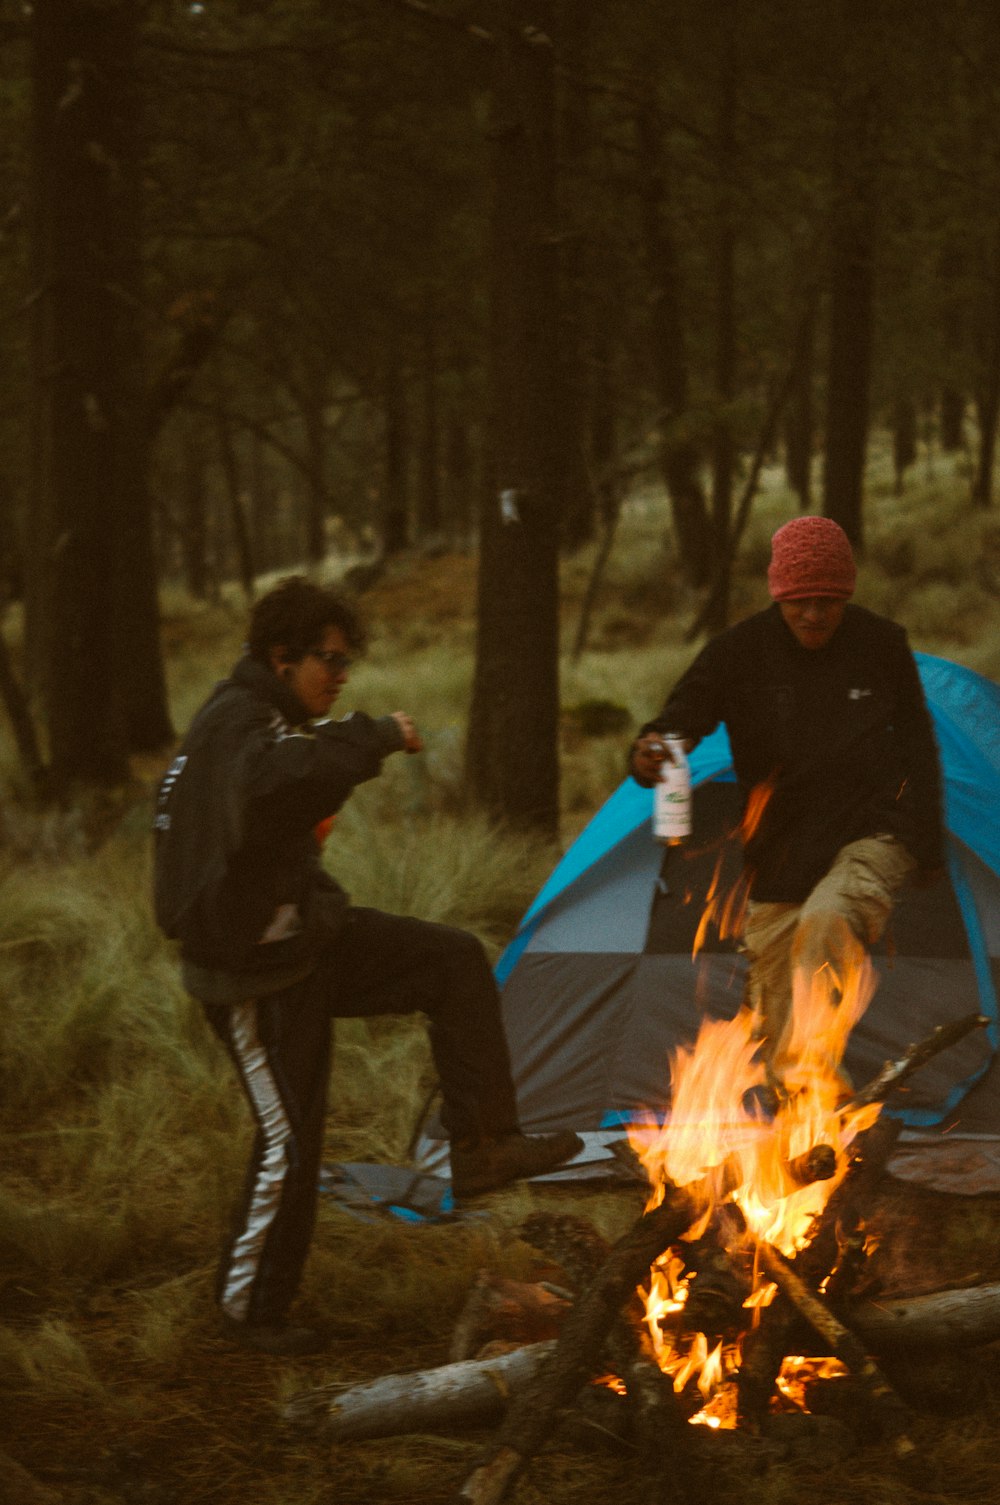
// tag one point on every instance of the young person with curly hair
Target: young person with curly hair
(274, 949)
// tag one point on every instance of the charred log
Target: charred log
(851, 1258)
(764, 1350)
(869, 1154)
(533, 1414)
(888, 1410)
(817, 1164)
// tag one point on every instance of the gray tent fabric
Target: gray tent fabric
(600, 985)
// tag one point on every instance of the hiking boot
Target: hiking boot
(285, 1340)
(487, 1164)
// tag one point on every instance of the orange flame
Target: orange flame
(715, 1138)
(726, 911)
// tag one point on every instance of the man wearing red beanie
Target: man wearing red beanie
(828, 725)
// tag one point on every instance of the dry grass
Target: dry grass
(123, 1137)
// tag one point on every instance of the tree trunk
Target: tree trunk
(466, 1392)
(604, 435)
(429, 464)
(240, 525)
(575, 131)
(81, 57)
(194, 515)
(800, 421)
(459, 480)
(395, 520)
(952, 419)
(852, 248)
(316, 495)
(904, 439)
(988, 387)
(678, 454)
(723, 444)
(512, 751)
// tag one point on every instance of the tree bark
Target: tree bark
(723, 441)
(15, 703)
(942, 1319)
(988, 387)
(904, 439)
(800, 420)
(92, 591)
(512, 749)
(395, 491)
(428, 518)
(679, 456)
(240, 526)
(470, 1390)
(575, 133)
(852, 284)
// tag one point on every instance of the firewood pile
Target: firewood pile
(587, 1348)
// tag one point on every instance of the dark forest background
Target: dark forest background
(313, 276)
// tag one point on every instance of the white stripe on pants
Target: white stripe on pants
(265, 1194)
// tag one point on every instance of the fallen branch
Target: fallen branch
(449, 1395)
(943, 1319)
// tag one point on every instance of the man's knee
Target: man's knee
(827, 936)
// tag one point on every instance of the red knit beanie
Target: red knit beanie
(811, 556)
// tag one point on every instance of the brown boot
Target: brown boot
(486, 1164)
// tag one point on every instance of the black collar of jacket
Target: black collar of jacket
(261, 679)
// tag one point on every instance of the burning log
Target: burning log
(533, 1414)
(817, 1164)
(764, 1350)
(894, 1073)
(851, 1258)
(869, 1155)
(886, 1404)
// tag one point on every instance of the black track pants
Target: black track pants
(280, 1046)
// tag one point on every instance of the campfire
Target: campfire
(738, 1293)
(760, 1178)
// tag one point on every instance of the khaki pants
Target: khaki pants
(821, 942)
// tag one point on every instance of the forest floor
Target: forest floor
(206, 1427)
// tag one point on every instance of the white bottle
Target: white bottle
(672, 796)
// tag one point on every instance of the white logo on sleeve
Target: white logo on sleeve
(858, 694)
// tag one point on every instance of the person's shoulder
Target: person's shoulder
(868, 626)
(747, 632)
(232, 704)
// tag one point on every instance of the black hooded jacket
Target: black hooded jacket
(840, 738)
(237, 873)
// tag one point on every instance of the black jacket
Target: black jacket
(841, 735)
(237, 874)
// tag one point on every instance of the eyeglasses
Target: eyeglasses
(336, 662)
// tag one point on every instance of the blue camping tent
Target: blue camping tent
(599, 983)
